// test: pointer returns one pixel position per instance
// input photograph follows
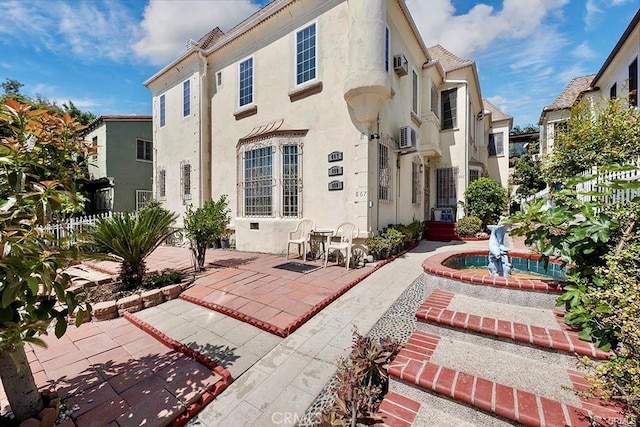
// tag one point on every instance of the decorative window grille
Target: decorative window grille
(185, 180)
(449, 103)
(163, 111)
(415, 182)
(258, 181)
(474, 175)
(306, 54)
(142, 197)
(384, 169)
(186, 98)
(446, 187)
(290, 181)
(245, 71)
(161, 183)
(144, 150)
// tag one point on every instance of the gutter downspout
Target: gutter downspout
(202, 127)
(466, 134)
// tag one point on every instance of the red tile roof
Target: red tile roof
(570, 93)
(496, 113)
(449, 61)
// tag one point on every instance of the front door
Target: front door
(427, 208)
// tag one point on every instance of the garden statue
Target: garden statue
(499, 264)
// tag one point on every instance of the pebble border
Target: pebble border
(207, 396)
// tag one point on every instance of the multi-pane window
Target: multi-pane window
(258, 182)
(94, 148)
(245, 77)
(449, 104)
(496, 144)
(434, 100)
(633, 83)
(186, 98)
(185, 180)
(103, 200)
(415, 182)
(387, 49)
(144, 150)
(161, 183)
(142, 197)
(163, 111)
(446, 187)
(474, 175)
(414, 93)
(290, 181)
(384, 172)
(306, 54)
(560, 128)
(613, 91)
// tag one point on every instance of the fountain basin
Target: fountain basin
(471, 266)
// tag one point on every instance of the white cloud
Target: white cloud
(592, 12)
(473, 32)
(168, 24)
(583, 51)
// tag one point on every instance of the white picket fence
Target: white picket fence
(69, 227)
(616, 195)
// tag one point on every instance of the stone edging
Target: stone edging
(107, 310)
(435, 265)
(207, 396)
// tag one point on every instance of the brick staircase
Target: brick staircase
(440, 231)
(479, 358)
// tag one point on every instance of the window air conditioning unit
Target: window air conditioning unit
(408, 139)
(400, 65)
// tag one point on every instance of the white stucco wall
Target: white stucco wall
(98, 165)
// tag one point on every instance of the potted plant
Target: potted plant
(417, 228)
(205, 225)
(395, 238)
(378, 246)
(224, 239)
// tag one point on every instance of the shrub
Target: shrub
(362, 381)
(406, 232)
(469, 226)
(395, 238)
(378, 245)
(164, 278)
(485, 199)
(205, 225)
(416, 228)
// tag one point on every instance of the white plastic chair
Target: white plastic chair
(346, 232)
(300, 237)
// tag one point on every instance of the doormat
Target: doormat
(298, 267)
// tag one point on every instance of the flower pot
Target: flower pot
(224, 243)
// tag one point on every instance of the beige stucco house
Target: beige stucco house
(324, 109)
(498, 143)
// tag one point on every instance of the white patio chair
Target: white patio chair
(346, 232)
(300, 237)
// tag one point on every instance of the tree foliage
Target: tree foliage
(604, 136)
(40, 163)
(485, 199)
(206, 224)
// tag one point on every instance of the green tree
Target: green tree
(603, 135)
(518, 130)
(206, 224)
(485, 199)
(131, 237)
(527, 173)
(39, 168)
(11, 87)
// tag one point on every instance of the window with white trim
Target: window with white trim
(161, 183)
(449, 103)
(613, 91)
(163, 111)
(142, 197)
(384, 171)
(271, 178)
(415, 182)
(144, 150)
(185, 180)
(186, 98)
(94, 148)
(496, 144)
(414, 93)
(103, 200)
(306, 54)
(446, 187)
(434, 101)
(474, 175)
(387, 49)
(245, 78)
(633, 83)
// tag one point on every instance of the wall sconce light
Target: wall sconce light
(374, 136)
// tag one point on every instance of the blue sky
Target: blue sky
(97, 53)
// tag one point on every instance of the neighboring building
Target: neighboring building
(498, 156)
(325, 109)
(554, 117)
(519, 144)
(617, 78)
(121, 170)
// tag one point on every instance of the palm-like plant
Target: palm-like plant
(131, 238)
